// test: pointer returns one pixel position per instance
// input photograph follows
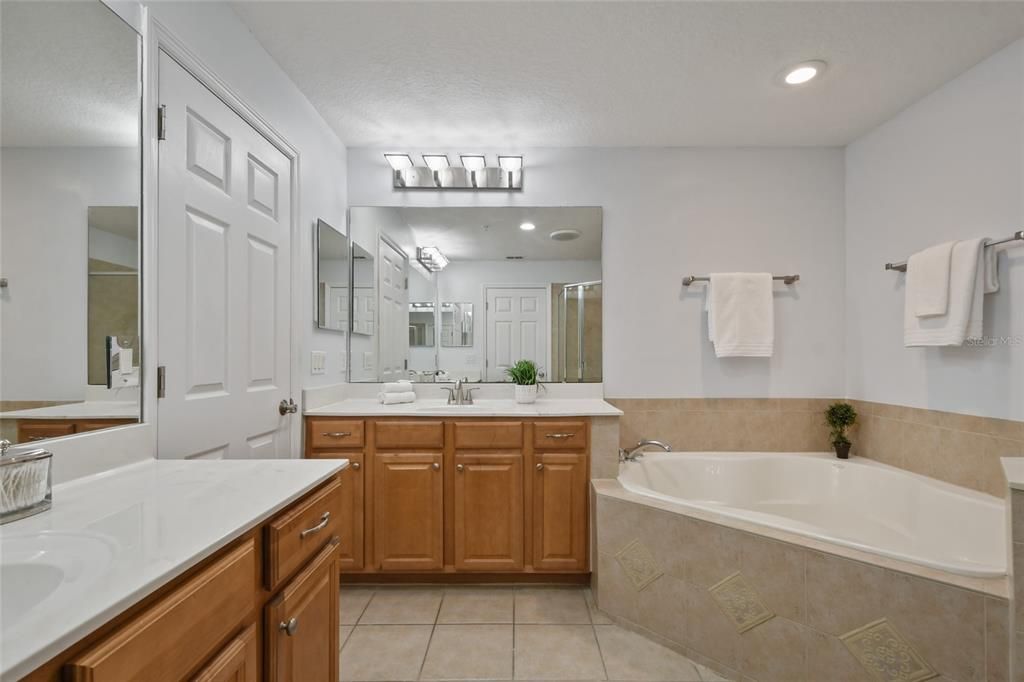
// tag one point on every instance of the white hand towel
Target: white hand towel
(928, 280)
(991, 270)
(397, 386)
(397, 398)
(963, 318)
(741, 319)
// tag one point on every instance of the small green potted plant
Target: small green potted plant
(524, 375)
(840, 417)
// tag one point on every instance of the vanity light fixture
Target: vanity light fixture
(399, 161)
(804, 72)
(431, 258)
(510, 163)
(436, 161)
(528, 227)
(473, 162)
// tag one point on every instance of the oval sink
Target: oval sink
(39, 571)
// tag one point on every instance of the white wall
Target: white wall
(949, 167)
(218, 37)
(44, 247)
(673, 212)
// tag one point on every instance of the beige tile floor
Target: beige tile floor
(395, 634)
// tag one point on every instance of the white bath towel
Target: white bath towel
(928, 280)
(397, 398)
(741, 319)
(968, 281)
(397, 386)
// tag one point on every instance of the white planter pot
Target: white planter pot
(526, 394)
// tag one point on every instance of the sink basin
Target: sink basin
(40, 571)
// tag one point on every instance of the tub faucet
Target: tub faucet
(636, 453)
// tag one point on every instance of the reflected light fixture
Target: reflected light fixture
(473, 162)
(510, 163)
(431, 258)
(804, 72)
(399, 161)
(527, 227)
(436, 162)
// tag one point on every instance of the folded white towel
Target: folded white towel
(928, 280)
(397, 386)
(741, 319)
(968, 279)
(397, 398)
(991, 269)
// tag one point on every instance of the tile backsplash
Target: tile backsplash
(958, 448)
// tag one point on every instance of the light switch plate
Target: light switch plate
(318, 362)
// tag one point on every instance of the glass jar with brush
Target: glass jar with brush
(25, 484)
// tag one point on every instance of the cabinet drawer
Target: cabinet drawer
(486, 435)
(176, 634)
(567, 435)
(29, 430)
(301, 531)
(336, 433)
(410, 434)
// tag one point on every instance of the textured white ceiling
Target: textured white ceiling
(68, 76)
(520, 74)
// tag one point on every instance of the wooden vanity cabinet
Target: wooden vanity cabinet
(40, 429)
(250, 612)
(430, 497)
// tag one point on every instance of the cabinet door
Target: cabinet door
(560, 512)
(302, 624)
(237, 662)
(408, 513)
(489, 512)
(350, 526)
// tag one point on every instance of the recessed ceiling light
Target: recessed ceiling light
(804, 72)
(565, 235)
(527, 227)
(399, 161)
(436, 161)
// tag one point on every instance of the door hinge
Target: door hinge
(161, 381)
(161, 122)
(406, 283)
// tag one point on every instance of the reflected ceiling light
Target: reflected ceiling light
(565, 235)
(431, 258)
(528, 227)
(473, 162)
(436, 161)
(804, 72)
(399, 161)
(510, 163)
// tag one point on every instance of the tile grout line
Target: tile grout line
(433, 627)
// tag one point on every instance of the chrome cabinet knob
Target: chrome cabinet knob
(290, 626)
(459, 467)
(540, 466)
(436, 466)
(357, 466)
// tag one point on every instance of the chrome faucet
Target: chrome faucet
(459, 395)
(635, 453)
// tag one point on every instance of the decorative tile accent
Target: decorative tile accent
(740, 602)
(639, 564)
(884, 653)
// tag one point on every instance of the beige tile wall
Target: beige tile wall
(957, 448)
(815, 598)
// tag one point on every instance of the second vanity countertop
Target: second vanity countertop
(120, 535)
(554, 407)
(89, 409)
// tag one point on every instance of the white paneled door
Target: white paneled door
(224, 277)
(393, 290)
(517, 328)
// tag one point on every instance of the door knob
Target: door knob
(289, 626)
(287, 407)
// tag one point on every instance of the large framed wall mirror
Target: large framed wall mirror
(333, 278)
(461, 293)
(71, 179)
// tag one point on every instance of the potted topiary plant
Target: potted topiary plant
(524, 375)
(840, 417)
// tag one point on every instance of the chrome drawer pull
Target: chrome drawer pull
(559, 435)
(289, 626)
(336, 434)
(317, 528)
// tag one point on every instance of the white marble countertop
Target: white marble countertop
(125, 533)
(1013, 467)
(89, 409)
(554, 407)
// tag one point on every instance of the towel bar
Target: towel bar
(1017, 236)
(787, 279)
